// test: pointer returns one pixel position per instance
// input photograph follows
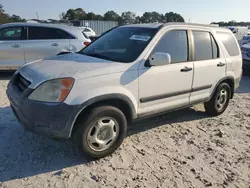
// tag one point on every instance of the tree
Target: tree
(98, 17)
(15, 18)
(70, 15)
(62, 16)
(128, 17)
(138, 20)
(150, 17)
(4, 18)
(232, 23)
(90, 16)
(111, 16)
(173, 17)
(80, 14)
(1, 9)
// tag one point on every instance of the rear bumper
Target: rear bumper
(237, 82)
(53, 120)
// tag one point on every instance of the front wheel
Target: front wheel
(220, 100)
(101, 132)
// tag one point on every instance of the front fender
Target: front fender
(106, 87)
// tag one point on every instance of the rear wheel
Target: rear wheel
(101, 132)
(220, 100)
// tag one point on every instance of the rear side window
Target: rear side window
(45, 33)
(205, 46)
(12, 33)
(86, 30)
(229, 42)
(174, 43)
(202, 44)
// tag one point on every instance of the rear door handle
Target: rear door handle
(221, 64)
(54, 44)
(16, 45)
(186, 69)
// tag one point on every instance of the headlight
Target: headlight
(53, 90)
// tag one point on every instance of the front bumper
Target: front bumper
(53, 120)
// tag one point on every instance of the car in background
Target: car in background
(245, 40)
(88, 31)
(22, 43)
(239, 32)
(249, 32)
(245, 49)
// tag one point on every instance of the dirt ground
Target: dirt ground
(181, 149)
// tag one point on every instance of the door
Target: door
(45, 42)
(12, 47)
(209, 65)
(167, 87)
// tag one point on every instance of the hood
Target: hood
(73, 65)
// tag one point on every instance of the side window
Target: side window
(216, 51)
(202, 45)
(62, 34)
(86, 30)
(174, 43)
(12, 33)
(229, 42)
(45, 33)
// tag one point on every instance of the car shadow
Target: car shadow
(184, 115)
(24, 154)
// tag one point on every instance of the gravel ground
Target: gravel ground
(181, 149)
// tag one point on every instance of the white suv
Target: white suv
(22, 43)
(131, 72)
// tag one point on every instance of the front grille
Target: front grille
(21, 83)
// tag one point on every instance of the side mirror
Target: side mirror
(159, 59)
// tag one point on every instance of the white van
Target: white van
(130, 72)
(239, 32)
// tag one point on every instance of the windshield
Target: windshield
(123, 44)
(231, 28)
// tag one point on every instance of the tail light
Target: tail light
(86, 43)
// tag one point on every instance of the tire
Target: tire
(216, 106)
(99, 120)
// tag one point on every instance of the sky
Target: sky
(195, 11)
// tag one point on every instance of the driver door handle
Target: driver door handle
(221, 64)
(186, 69)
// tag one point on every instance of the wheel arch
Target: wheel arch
(230, 81)
(120, 101)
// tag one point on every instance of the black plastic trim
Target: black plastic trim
(163, 96)
(165, 111)
(222, 80)
(201, 88)
(167, 95)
